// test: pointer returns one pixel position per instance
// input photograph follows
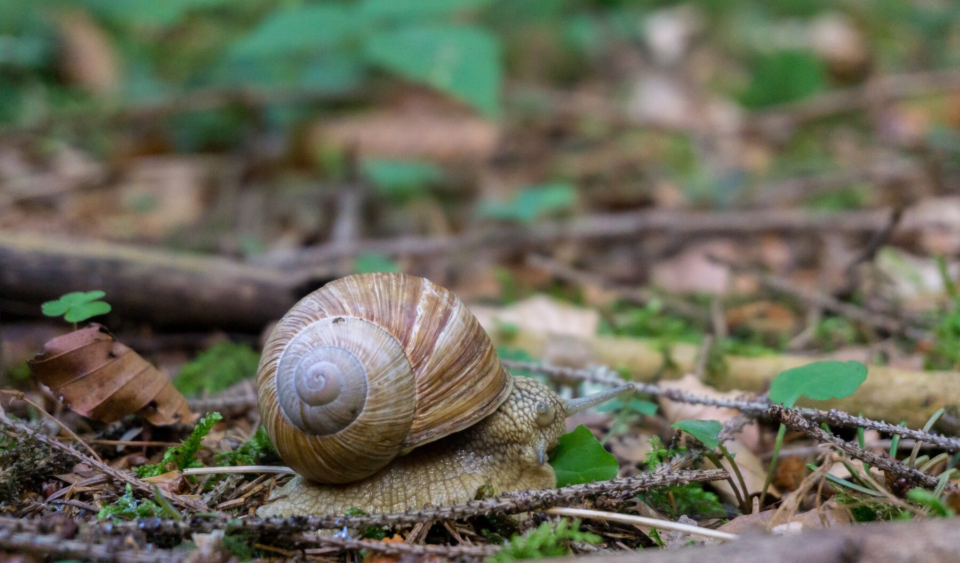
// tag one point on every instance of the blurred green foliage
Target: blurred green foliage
(127, 507)
(217, 368)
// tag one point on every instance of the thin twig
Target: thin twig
(795, 421)
(116, 474)
(240, 469)
(754, 408)
(632, 294)
(508, 503)
(642, 521)
(22, 397)
(830, 303)
(592, 227)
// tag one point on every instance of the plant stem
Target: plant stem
(736, 491)
(773, 462)
(746, 507)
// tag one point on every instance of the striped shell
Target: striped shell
(369, 367)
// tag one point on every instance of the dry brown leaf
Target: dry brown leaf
(541, 314)
(445, 138)
(100, 378)
(692, 271)
(762, 316)
(831, 514)
(170, 482)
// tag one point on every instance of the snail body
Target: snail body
(383, 393)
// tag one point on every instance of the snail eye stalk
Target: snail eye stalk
(545, 414)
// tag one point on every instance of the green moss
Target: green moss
(217, 368)
(546, 541)
(254, 451)
(129, 508)
(183, 456)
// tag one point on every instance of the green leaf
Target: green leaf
(303, 29)
(704, 430)
(77, 306)
(401, 179)
(819, 381)
(372, 263)
(417, 10)
(785, 76)
(580, 458)
(935, 503)
(86, 311)
(636, 406)
(531, 203)
(462, 61)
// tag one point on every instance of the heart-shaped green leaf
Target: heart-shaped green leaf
(580, 458)
(819, 381)
(77, 306)
(704, 430)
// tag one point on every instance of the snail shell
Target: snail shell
(369, 367)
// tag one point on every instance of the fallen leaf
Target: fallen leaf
(831, 513)
(170, 482)
(763, 316)
(100, 378)
(541, 314)
(692, 271)
(410, 135)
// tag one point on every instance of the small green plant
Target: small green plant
(627, 410)
(78, 306)
(945, 353)
(183, 456)
(678, 499)
(548, 540)
(932, 501)
(370, 532)
(252, 452)
(580, 458)
(708, 432)
(532, 203)
(371, 263)
(689, 499)
(217, 368)
(819, 381)
(400, 180)
(239, 544)
(129, 508)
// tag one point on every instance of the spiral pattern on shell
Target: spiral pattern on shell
(369, 367)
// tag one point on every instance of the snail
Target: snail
(383, 393)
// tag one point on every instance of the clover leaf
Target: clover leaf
(77, 306)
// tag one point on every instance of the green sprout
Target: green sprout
(78, 306)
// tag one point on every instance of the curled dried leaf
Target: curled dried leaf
(100, 378)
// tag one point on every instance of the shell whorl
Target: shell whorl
(370, 366)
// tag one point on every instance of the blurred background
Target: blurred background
(677, 167)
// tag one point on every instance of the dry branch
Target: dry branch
(794, 421)
(594, 227)
(509, 503)
(52, 545)
(164, 287)
(754, 408)
(925, 541)
(888, 393)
